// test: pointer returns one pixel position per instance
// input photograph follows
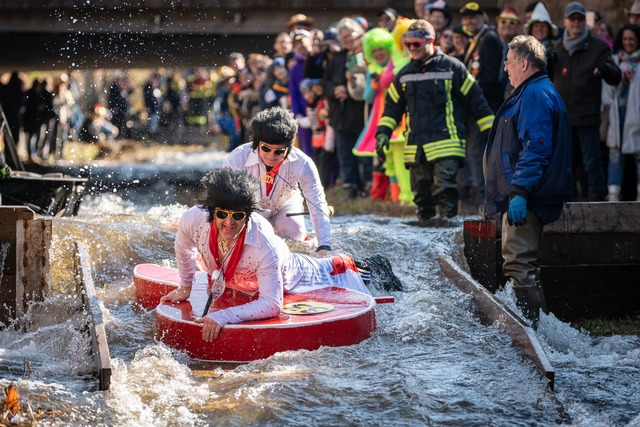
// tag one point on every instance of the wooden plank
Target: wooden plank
(7, 300)
(588, 291)
(590, 248)
(496, 313)
(597, 217)
(9, 215)
(99, 341)
(33, 275)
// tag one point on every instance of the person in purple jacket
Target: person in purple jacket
(302, 46)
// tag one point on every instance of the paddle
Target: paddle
(330, 209)
(309, 202)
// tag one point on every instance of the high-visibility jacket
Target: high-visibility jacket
(436, 94)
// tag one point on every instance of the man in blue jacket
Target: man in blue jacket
(527, 167)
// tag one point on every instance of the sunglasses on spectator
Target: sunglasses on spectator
(235, 215)
(409, 45)
(446, 36)
(508, 22)
(276, 151)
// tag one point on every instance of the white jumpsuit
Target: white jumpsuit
(266, 266)
(297, 173)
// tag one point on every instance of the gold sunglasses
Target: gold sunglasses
(276, 151)
(235, 215)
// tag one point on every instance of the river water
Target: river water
(430, 362)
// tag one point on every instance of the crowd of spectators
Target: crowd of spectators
(330, 77)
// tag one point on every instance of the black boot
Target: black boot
(364, 270)
(530, 299)
(378, 269)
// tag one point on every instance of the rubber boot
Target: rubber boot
(614, 193)
(530, 299)
(379, 185)
(394, 188)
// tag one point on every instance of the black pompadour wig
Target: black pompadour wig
(274, 126)
(230, 189)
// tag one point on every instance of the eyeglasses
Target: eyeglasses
(446, 36)
(235, 215)
(415, 45)
(276, 151)
(508, 22)
(509, 61)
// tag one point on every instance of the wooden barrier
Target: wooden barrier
(494, 312)
(99, 342)
(589, 259)
(26, 278)
(26, 272)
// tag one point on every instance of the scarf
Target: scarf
(572, 43)
(475, 39)
(629, 62)
(270, 177)
(236, 253)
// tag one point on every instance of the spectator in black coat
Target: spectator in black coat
(577, 65)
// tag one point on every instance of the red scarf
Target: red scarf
(235, 255)
(271, 176)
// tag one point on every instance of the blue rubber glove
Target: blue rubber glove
(517, 214)
(382, 144)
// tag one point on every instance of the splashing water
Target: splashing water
(431, 362)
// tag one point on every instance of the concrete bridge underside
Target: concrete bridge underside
(41, 38)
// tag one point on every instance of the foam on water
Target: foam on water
(430, 362)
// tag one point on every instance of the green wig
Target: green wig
(375, 38)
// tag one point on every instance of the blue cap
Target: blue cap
(574, 7)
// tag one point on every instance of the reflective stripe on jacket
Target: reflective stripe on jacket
(436, 95)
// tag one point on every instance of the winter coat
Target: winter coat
(436, 94)
(529, 149)
(347, 115)
(483, 59)
(576, 82)
(631, 136)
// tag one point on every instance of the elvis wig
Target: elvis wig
(231, 189)
(274, 126)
